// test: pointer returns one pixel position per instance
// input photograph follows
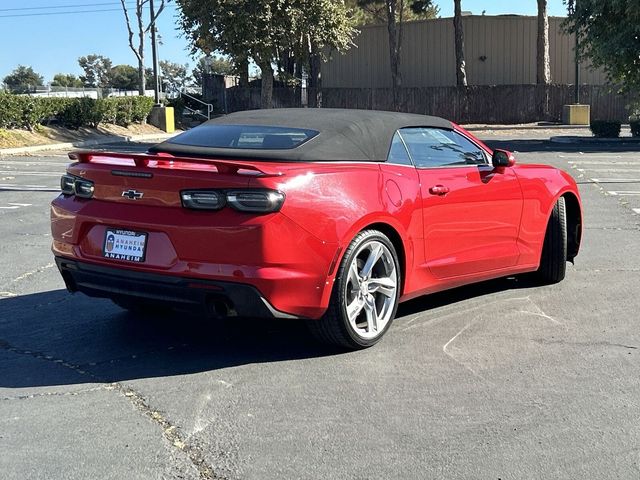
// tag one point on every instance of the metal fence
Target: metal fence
(76, 92)
(499, 50)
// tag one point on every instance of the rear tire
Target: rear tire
(553, 262)
(365, 294)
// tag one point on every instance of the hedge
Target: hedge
(24, 111)
(605, 128)
(635, 128)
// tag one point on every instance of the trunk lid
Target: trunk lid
(156, 180)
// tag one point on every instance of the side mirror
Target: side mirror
(503, 158)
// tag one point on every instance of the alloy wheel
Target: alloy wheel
(371, 289)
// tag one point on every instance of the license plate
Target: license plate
(124, 245)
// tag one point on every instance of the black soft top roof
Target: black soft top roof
(359, 135)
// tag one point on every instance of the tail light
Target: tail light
(203, 199)
(80, 187)
(254, 201)
(257, 201)
(66, 184)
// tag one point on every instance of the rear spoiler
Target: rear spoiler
(167, 161)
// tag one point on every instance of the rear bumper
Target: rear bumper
(216, 297)
(286, 265)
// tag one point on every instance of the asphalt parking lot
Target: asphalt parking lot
(501, 380)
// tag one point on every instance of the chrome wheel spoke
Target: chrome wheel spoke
(374, 255)
(384, 285)
(354, 277)
(371, 313)
(354, 308)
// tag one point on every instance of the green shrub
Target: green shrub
(124, 114)
(141, 108)
(605, 128)
(635, 127)
(10, 110)
(106, 110)
(24, 111)
(80, 113)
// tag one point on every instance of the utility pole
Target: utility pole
(154, 52)
(577, 62)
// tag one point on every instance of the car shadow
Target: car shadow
(54, 338)
(467, 292)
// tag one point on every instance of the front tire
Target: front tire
(553, 262)
(365, 294)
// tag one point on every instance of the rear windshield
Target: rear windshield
(244, 136)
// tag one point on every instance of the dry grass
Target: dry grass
(47, 135)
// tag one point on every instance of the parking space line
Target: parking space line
(611, 170)
(595, 162)
(626, 193)
(32, 188)
(32, 174)
(636, 210)
(39, 164)
(615, 180)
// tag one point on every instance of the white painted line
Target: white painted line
(33, 174)
(31, 164)
(8, 208)
(32, 188)
(615, 180)
(610, 170)
(609, 164)
(20, 204)
(625, 193)
(636, 210)
(591, 155)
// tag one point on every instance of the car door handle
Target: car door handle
(439, 190)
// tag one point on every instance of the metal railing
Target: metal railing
(209, 107)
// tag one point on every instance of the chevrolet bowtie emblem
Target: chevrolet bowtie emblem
(132, 194)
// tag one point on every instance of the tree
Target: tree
(211, 64)
(97, 70)
(66, 80)
(608, 35)
(394, 14)
(261, 31)
(141, 30)
(372, 12)
(320, 26)
(461, 69)
(124, 77)
(174, 75)
(543, 62)
(23, 79)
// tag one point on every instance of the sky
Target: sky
(51, 43)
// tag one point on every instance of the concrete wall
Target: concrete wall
(507, 45)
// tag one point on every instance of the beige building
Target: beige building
(499, 50)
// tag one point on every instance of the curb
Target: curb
(572, 139)
(87, 143)
(526, 127)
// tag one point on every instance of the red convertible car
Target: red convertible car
(332, 216)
